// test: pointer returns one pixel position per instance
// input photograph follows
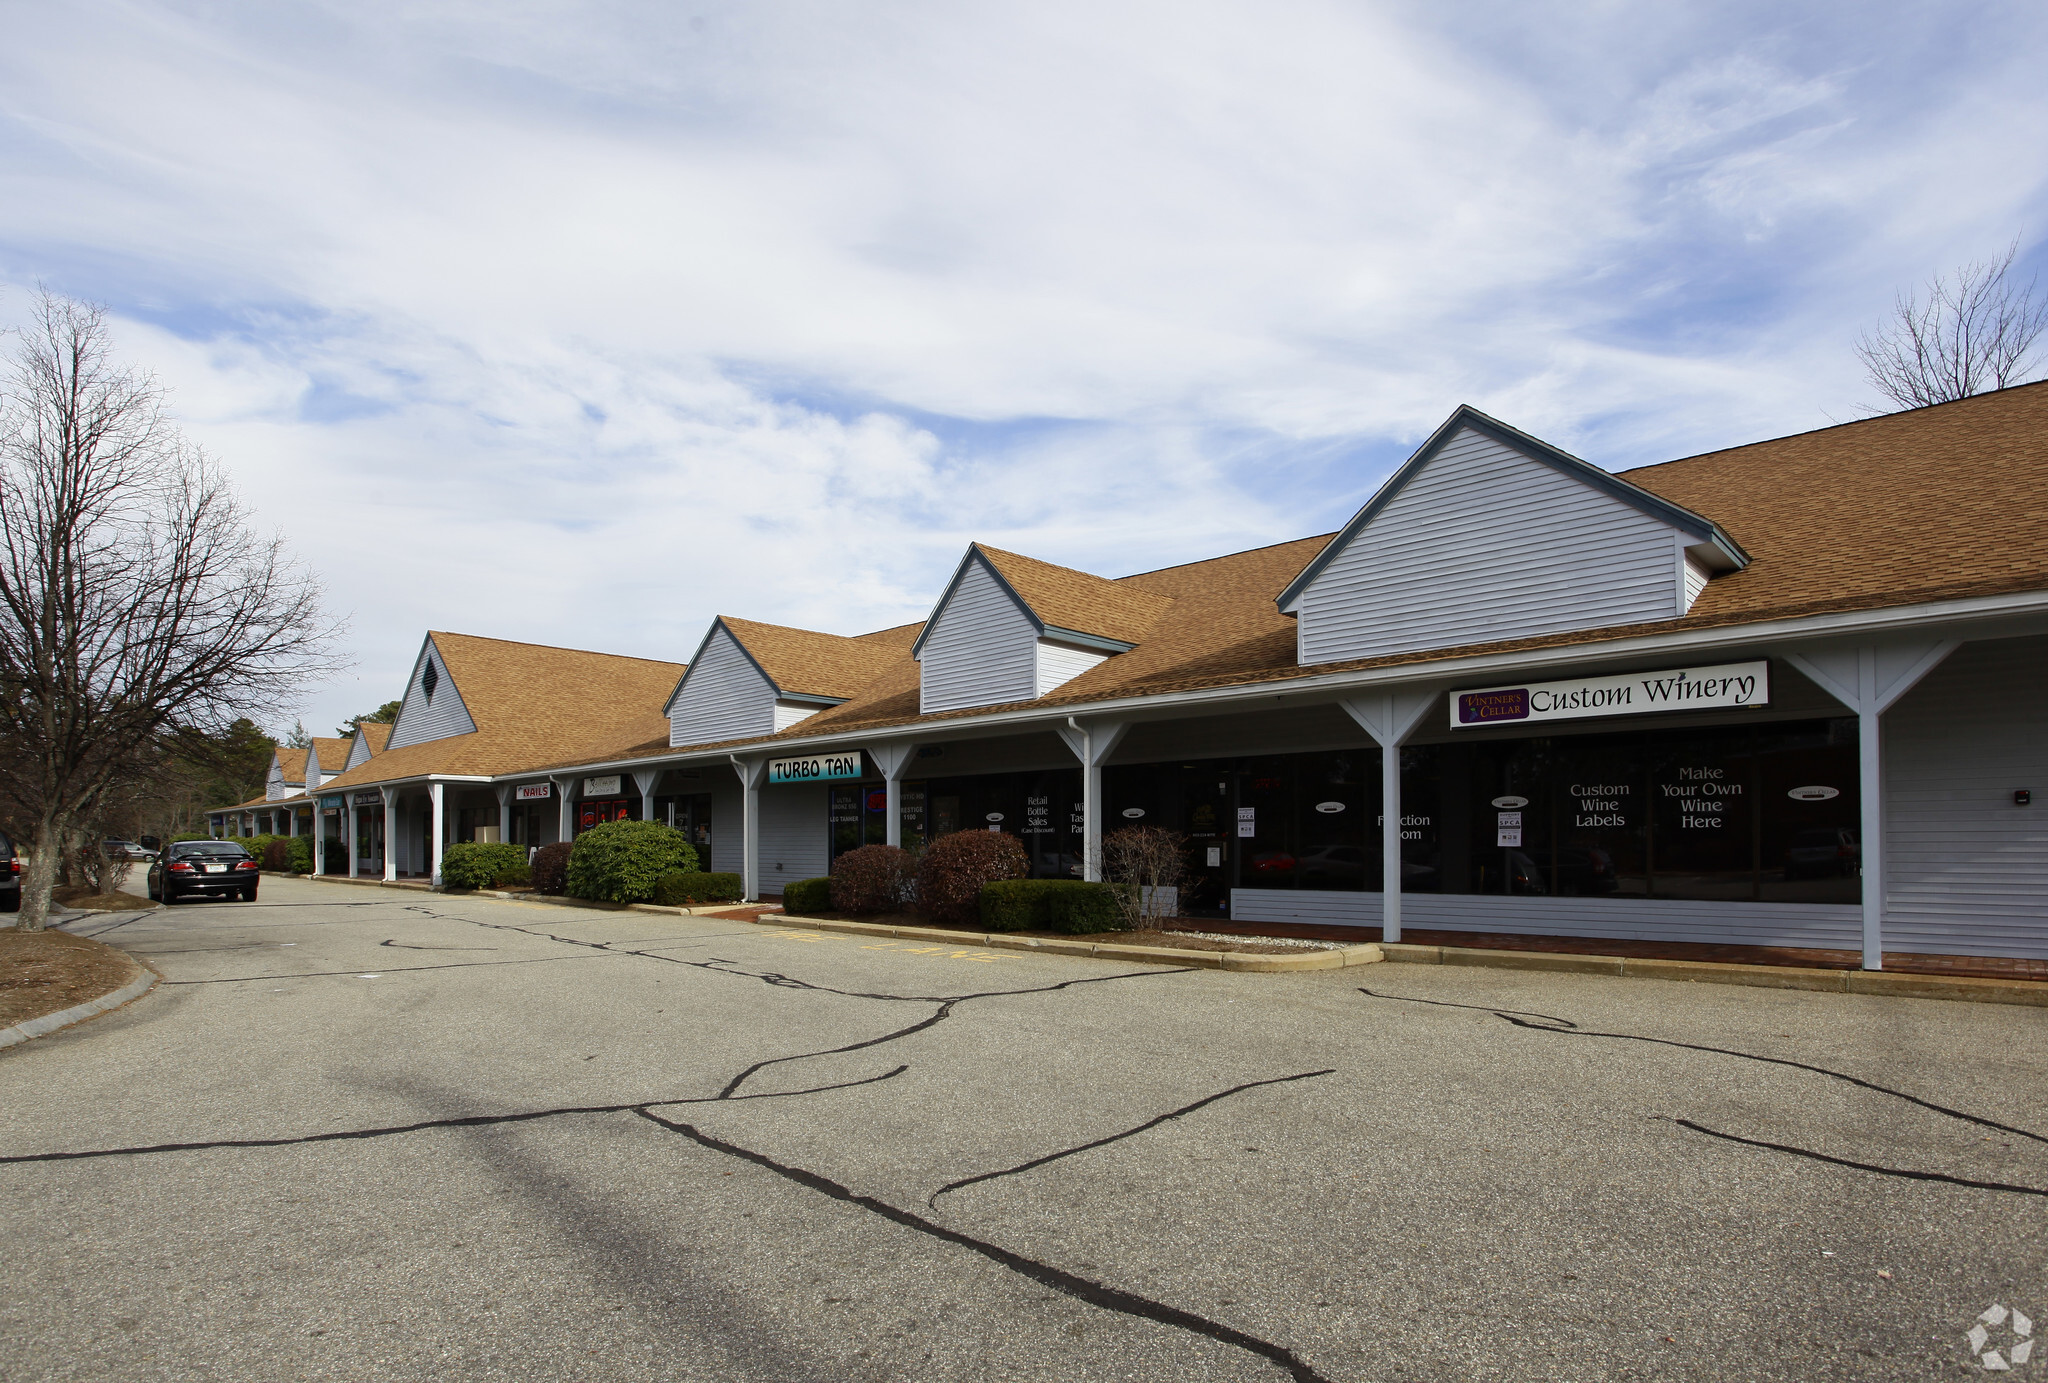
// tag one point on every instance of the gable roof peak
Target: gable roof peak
(1703, 531)
(1064, 604)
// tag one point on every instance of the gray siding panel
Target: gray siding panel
(723, 697)
(1484, 544)
(982, 648)
(1968, 871)
(794, 843)
(420, 720)
(1827, 925)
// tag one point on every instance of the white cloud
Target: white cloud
(584, 323)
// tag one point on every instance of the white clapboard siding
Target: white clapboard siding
(421, 720)
(1696, 577)
(1968, 868)
(788, 713)
(358, 751)
(1059, 664)
(1825, 925)
(981, 648)
(794, 843)
(1484, 543)
(273, 785)
(723, 696)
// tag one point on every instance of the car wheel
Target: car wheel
(248, 895)
(12, 903)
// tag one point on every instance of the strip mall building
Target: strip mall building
(1789, 694)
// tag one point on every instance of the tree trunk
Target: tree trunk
(37, 878)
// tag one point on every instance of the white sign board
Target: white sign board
(601, 787)
(815, 768)
(534, 792)
(1722, 687)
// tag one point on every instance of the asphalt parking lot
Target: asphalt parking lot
(374, 1134)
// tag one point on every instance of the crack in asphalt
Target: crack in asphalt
(1565, 1027)
(461, 1121)
(409, 946)
(1069, 1284)
(933, 1199)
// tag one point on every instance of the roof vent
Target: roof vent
(429, 680)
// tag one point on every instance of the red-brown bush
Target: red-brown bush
(874, 878)
(954, 867)
(551, 867)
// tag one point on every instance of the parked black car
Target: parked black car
(10, 877)
(219, 868)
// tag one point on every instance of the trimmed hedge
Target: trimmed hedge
(1049, 905)
(475, 864)
(301, 853)
(807, 895)
(550, 866)
(873, 878)
(687, 888)
(954, 867)
(622, 861)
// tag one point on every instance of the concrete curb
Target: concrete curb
(1334, 959)
(63, 1018)
(1964, 989)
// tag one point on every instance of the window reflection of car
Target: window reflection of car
(1272, 862)
(1342, 865)
(1585, 869)
(1823, 852)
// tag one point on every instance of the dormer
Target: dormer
(1011, 628)
(1487, 534)
(370, 740)
(750, 679)
(287, 776)
(325, 759)
(432, 708)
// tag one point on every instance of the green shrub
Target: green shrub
(518, 875)
(256, 844)
(684, 889)
(550, 866)
(622, 861)
(300, 851)
(873, 878)
(954, 867)
(1049, 905)
(807, 896)
(470, 864)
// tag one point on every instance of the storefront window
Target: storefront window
(598, 811)
(1043, 810)
(689, 813)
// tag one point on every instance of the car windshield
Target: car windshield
(212, 849)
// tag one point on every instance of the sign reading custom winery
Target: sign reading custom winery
(1636, 693)
(815, 768)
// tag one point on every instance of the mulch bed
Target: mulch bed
(42, 972)
(75, 896)
(1249, 946)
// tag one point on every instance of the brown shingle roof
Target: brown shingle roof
(532, 705)
(291, 763)
(1087, 604)
(809, 663)
(376, 733)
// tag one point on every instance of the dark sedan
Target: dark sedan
(216, 868)
(10, 877)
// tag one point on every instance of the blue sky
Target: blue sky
(583, 324)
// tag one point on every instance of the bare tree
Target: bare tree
(1145, 865)
(1976, 331)
(136, 598)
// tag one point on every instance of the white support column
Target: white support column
(390, 833)
(504, 791)
(348, 821)
(565, 788)
(1390, 717)
(645, 779)
(1092, 744)
(894, 760)
(319, 839)
(752, 773)
(292, 822)
(437, 794)
(1868, 679)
